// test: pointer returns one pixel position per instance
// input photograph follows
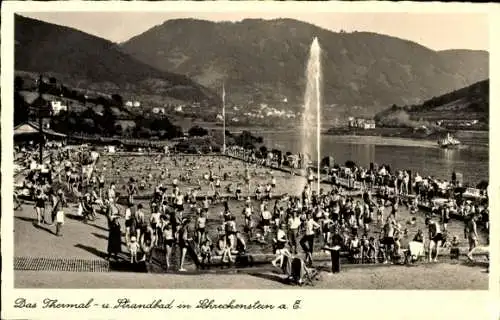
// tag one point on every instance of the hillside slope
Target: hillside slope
(469, 103)
(86, 61)
(264, 61)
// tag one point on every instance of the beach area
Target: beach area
(40, 257)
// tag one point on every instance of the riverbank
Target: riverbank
(407, 133)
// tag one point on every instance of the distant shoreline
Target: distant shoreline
(397, 133)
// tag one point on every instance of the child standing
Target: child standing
(266, 219)
(454, 250)
(133, 247)
(59, 217)
(206, 252)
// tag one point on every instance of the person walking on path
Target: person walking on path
(183, 241)
(471, 235)
(58, 213)
(40, 200)
(114, 236)
(307, 241)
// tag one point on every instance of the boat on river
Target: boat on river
(449, 142)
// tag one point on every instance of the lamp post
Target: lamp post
(223, 119)
(40, 121)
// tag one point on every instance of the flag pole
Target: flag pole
(223, 119)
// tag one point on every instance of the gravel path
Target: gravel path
(430, 277)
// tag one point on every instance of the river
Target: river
(424, 157)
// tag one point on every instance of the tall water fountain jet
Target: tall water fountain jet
(311, 117)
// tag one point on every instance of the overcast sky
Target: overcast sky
(435, 31)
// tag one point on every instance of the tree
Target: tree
(18, 83)
(350, 164)
(118, 129)
(21, 112)
(117, 99)
(263, 151)
(108, 121)
(88, 125)
(197, 131)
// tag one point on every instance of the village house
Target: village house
(58, 106)
(361, 123)
(351, 121)
(369, 124)
(134, 104)
(158, 110)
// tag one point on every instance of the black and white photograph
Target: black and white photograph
(250, 150)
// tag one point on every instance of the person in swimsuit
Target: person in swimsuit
(129, 213)
(183, 239)
(280, 243)
(230, 226)
(238, 192)
(133, 248)
(247, 179)
(147, 242)
(58, 214)
(471, 235)
(371, 252)
(435, 238)
(394, 209)
(326, 226)
(355, 249)
(380, 211)
(223, 248)
(353, 223)
(211, 180)
(88, 209)
(206, 252)
(273, 182)
(179, 202)
(217, 184)
(40, 200)
(155, 222)
(445, 217)
(111, 193)
(307, 240)
(168, 241)
(268, 192)
(132, 190)
(101, 184)
(258, 192)
(241, 247)
(293, 230)
(206, 204)
(201, 222)
(266, 219)
(388, 240)
(140, 219)
(367, 217)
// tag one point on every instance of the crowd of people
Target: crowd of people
(178, 222)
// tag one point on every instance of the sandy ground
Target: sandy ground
(430, 277)
(89, 241)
